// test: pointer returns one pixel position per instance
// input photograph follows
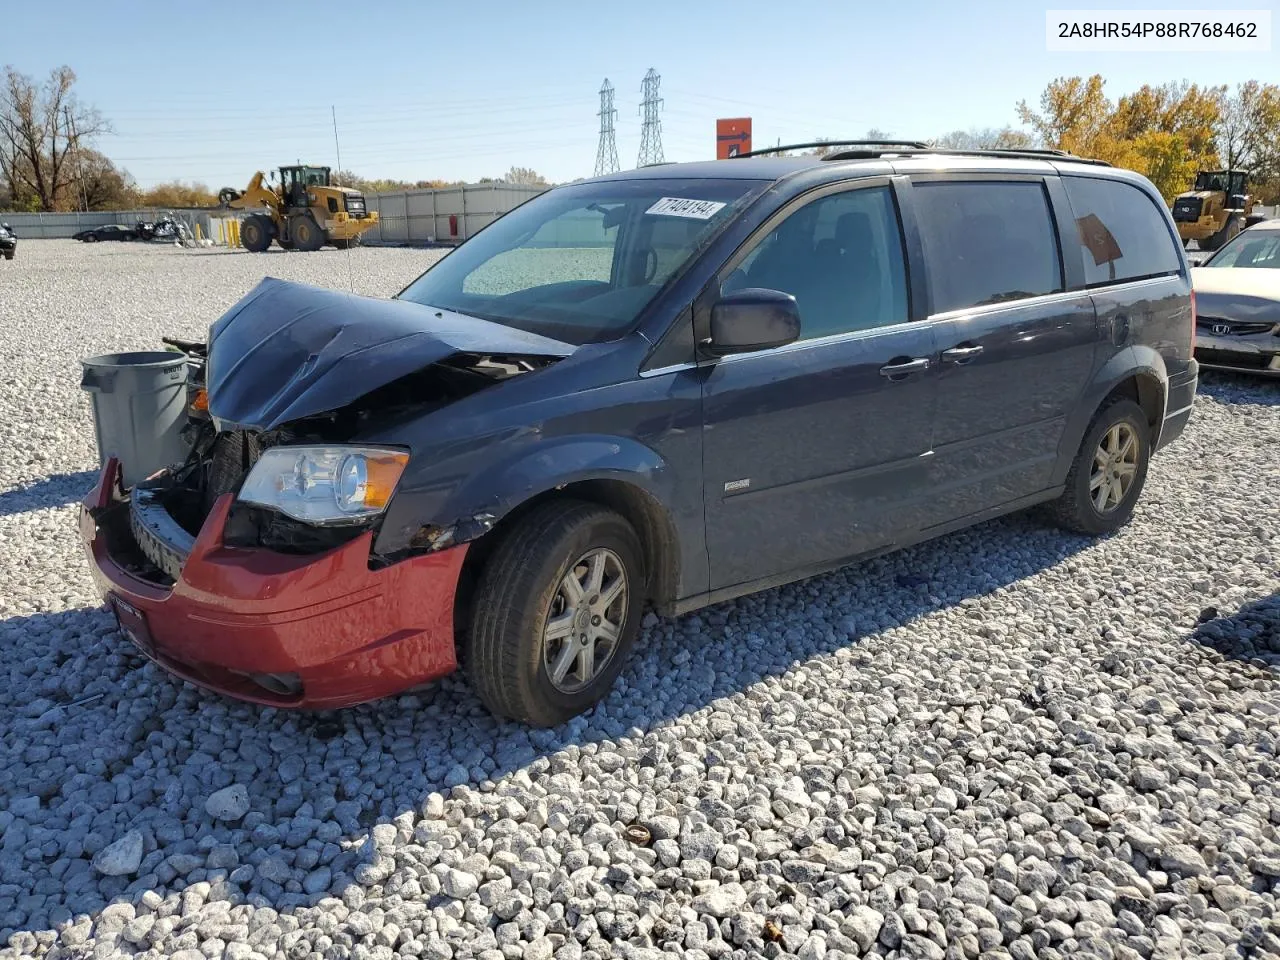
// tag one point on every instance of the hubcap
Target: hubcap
(585, 621)
(1115, 465)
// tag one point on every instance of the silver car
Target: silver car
(1238, 303)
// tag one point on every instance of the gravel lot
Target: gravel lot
(1008, 743)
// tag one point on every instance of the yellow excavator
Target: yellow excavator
(303, 212)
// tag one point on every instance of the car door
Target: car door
(1016, 350)
(818, 451)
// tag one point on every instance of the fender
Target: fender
(535, 465)
(560, 461)
(1137, 359)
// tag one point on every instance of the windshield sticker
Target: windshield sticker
(680, 207)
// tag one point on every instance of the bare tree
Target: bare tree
(102, 185)
(525, 176)
(989, 138)
(42, 126)
(1249, 128)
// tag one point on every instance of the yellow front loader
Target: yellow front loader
(303, 212)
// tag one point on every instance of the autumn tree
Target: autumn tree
(1166, 133)
(177, 194)
(1074, 113)
(42, 125)
(346, 178)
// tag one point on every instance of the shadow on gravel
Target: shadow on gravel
(1250, 634)
(147, 753)
(55, 491)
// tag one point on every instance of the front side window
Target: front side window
(579, 263)
(1123, 235)
(1253, 248)
(987, 242)
(840, 257)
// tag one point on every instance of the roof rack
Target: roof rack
(1006, 153)
(912, 144)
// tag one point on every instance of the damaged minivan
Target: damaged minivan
(664, 388)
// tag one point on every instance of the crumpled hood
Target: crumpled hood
(1237, 293)
(288, 351)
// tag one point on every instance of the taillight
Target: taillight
(1193, 320)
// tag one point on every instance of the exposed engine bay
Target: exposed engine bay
(169, 509)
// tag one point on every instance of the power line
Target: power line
(651, 129)
(607, 151)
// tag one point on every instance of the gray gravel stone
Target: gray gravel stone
(722, 901)
(229, 803)
(459, 884)
(1008, 742)
(120, 858)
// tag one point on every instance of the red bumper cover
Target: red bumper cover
(350, 634)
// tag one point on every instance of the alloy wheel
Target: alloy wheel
(1115, 465)
(585, 621)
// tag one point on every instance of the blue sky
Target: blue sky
(201, 91)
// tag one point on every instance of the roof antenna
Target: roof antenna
(351, 280)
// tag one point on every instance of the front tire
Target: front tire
(255, 233)
(306, 233)
(556, 611)
(1109, 472)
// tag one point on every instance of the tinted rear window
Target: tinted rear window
(987, 242)
(1122, 233)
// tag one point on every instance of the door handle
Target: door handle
(902, 368)
(962, 354)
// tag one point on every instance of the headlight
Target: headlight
(325, 485)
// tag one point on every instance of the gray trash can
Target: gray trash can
(139, 407)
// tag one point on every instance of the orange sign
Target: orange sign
(733, 137)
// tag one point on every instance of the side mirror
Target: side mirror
(752, 319)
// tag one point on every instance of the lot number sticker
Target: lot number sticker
(679, 207)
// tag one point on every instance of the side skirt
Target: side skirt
(697, 601)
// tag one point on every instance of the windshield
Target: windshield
(1253, 248)
(579, 263)
(1212, 181)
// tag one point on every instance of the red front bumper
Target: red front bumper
(349, 633)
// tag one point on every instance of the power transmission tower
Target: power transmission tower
(607, 152)
(651, 131)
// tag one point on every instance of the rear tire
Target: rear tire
(255, 233)
(535, 647)
(1228, 232)
(305, 233)
(1103, 488)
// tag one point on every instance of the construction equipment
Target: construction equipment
(1214, 210)
(303, 212)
